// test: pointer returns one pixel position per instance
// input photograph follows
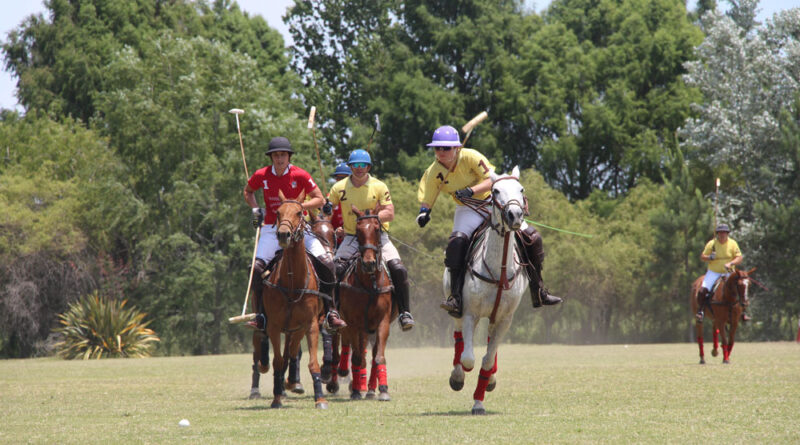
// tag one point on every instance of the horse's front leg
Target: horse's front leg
(698, 326)
(333, 385)
(312, 338)
(260, 361)
(359, 365)
(379, 359)
(489, 364)
(278, 366)
(464, 359)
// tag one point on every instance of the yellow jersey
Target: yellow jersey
(365, 198)
(471, 168)
(724, 253)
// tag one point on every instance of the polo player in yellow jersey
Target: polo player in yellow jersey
(365, 192)
(723, 255)
(464, 173)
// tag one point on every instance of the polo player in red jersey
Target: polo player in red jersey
(284, 177)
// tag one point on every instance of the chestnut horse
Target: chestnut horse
(365, 295)
(725, 310)
(291, 301)
(322, 228)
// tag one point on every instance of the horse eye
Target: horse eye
(495, 191)
(300, 213)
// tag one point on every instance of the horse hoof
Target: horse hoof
(255, 393)
(714, 352)
(355, 395)
(276, 404)
(370, 395)
(333, 387)
(321, 404)
(384, 397)
(702, 361)
(343, 372)
(490, 387)
(297, 388)
(478, 411)
(726, 362)
(455, 385)
(325, 372)
(263, 369)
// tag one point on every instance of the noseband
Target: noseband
(295, 233)
(503, 208)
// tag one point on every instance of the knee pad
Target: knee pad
(397, 270)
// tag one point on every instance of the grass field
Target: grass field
(545, 394)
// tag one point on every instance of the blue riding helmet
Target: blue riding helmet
(359, 155)
(341, 169)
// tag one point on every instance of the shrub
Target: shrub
(98, 327)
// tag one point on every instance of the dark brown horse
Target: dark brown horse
(365, 295)
(322, 228)
(725, 310)
(291, 301)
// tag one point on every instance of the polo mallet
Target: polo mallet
(377, 128)
(467, 128)
(314, 135)
(245, 317)
(716, 208)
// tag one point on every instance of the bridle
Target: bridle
(500, 227)
(295, 233)
(374, 248)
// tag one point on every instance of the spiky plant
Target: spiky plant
(98, 327)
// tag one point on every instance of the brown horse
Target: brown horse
(322, 228)
(365, 294)
(725, 310)
(291, 301)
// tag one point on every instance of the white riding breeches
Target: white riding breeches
(349, 247)
(711, 278)
(268, 244)
(467, 220)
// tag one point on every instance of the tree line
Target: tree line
(124, 176)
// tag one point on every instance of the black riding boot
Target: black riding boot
(325, 268)
(703, 300)
(260, 322)
(534, 251)
(400, 295)
(455, 260)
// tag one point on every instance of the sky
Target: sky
(15, 11)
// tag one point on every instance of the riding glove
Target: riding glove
(258, 217)
(712, 256)
(464, 193)
(327, 208)
(424, 216)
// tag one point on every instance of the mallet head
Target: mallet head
(311, 117)
(236, 111)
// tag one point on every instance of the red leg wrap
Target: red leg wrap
(362, 379)
(483, 381)
(383, 377)
(344, 358)
(459, 346)
(725, 352)
(373, 376)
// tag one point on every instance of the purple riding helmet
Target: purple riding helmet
(445, 136)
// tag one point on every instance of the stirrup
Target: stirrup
(449, 304)
(406, 321)
(699, 316)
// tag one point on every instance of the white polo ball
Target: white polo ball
(184, 422)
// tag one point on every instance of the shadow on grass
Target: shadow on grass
(451, 413)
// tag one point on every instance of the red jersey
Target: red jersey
(291, 183)
(336, 219)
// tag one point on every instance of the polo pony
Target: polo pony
(493, 286)
(725, 309)
(365, 300)
(292, 300)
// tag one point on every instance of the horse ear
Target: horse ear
(515, 172)
(751, 270)
(302, 196)
(355, 210)
(493, 175)
(281, 195)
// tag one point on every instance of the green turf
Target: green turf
(545, 394)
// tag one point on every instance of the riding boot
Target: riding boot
(455, 260)
(703, 299)
(400, 295)
(260, 322)
(325, 268)
(531, 242)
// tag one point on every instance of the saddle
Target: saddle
(477, 236)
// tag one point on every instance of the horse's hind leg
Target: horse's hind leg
(327, 355)
(698, 325)
(489, 364)
(260, 362)
(333, 384)
(312, 337)
(293, 382)
(278, 368)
